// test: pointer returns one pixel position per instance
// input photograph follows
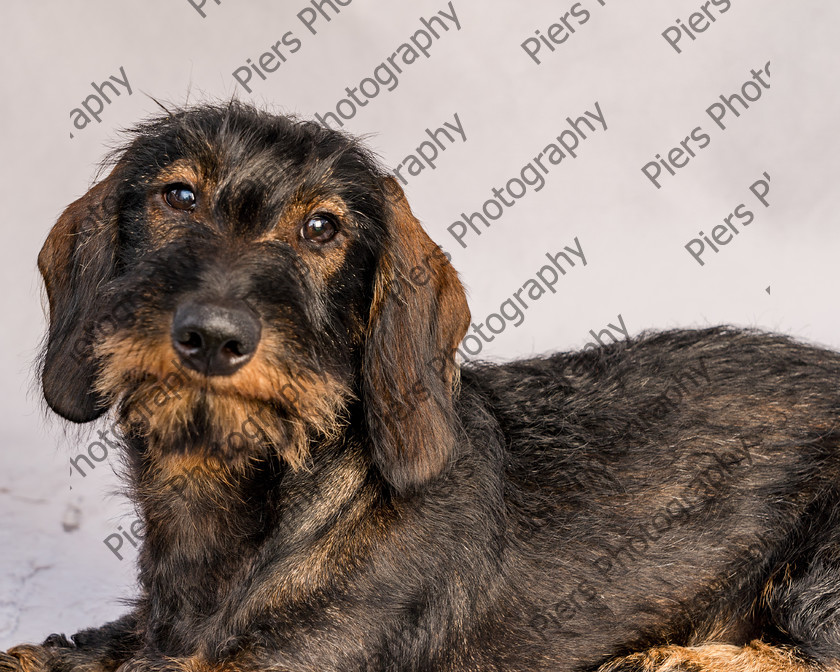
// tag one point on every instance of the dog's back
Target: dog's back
(679, 487)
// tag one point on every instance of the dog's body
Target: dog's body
(323, 490)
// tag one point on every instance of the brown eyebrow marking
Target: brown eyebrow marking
(298, 208)
(324, 262)
(181, 170)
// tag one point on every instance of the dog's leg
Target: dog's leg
(96, 650)
(755, 657)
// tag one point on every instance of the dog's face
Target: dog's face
(239, 284)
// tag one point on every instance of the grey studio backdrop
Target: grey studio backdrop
(589, 234)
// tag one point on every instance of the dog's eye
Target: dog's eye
(180, 197)
(319, 229)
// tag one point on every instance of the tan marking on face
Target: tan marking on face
(193, 466)
(323, 261)
(161, 395)
(182, 170)
(160, 225)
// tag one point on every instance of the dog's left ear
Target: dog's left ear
(418, 317)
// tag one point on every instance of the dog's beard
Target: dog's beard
(197, 420)
(260, 411)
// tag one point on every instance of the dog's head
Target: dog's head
(240, 283)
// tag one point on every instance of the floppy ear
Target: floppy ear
(77, 257)
(418, 317)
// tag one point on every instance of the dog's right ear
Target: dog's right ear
(77, 258)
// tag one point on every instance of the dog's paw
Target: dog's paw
(712, 658)
(648, 663)
(9, 663)
(26, 658)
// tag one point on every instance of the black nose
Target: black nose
(215, 339)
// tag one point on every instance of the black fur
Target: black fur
(556, 513)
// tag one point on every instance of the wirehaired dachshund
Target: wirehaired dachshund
(325, 486)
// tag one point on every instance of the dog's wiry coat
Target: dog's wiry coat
(666, 503)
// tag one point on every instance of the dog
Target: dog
(323, 487)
